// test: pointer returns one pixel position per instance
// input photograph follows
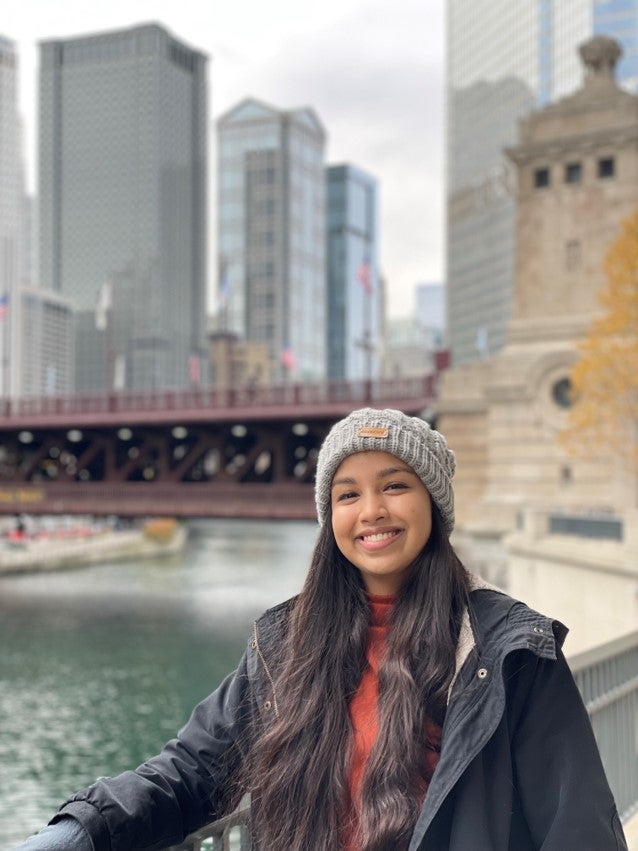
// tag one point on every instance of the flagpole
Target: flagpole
(6, 350)
(364, 276)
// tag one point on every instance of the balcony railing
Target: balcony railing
(231, 833)
(607, 678)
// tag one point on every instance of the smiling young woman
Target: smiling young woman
(398, 703)
(381, 518)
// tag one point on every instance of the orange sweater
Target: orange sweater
(364, 705)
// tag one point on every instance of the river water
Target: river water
(100, 666)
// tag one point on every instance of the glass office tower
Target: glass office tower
(505, 59)
(122, 191)
(355, 300)
(271, 220)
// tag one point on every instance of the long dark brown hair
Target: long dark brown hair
(298, 768)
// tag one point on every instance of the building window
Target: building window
(541, 178)
(562, 393)
(573, 173)
(606, 167)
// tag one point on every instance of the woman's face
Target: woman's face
(381, 517)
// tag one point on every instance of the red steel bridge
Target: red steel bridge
(203, 452)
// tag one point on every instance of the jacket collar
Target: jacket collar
(520, 627)
(467, 641)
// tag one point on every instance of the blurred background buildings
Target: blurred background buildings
(122, 193)
(272, 234)
(503, 60)
(354, 287)
(120, 224)
(576, 168)
(12, 202)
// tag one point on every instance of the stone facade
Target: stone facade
(577, 167)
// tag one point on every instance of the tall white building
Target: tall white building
(11, 209)
(271, 220)
(504, 60)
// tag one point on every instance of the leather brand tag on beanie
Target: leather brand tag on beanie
(372, 431)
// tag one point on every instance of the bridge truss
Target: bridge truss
(203, 452)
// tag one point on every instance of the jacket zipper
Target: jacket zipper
(266, 668)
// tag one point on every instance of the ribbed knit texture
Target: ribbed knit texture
(364, 708)
(409, 438)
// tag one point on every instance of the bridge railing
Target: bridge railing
(607, 678)
(223, 397)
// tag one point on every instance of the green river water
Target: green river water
(100, 666)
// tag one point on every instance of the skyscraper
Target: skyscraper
(122, 180)
(272, 234)
(355, 300)
(504, 60)
(11, 209)
(46, 329)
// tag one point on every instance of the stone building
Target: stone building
(577, 179)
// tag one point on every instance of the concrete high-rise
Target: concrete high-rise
(355, 299)
(11, 210)
(122, 194)
(504, 60)
(271, 224)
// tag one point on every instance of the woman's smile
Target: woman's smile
(379, 540)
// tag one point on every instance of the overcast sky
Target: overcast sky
(372, 70)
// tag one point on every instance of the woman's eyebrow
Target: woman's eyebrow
(344, 480)
(390, 471)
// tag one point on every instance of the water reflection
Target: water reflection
(101, 666)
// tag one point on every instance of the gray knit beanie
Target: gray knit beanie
(409, 438)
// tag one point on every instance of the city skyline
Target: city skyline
(381, 105)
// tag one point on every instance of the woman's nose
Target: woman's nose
(373, 507)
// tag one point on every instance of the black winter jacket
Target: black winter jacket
(519, 767)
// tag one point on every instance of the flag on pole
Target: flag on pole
(103, 305)
(288, 358)
(194, 370)
(119, 372)
(364, 274)
(4, 305)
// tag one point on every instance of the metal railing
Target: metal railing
(231, 833)
(607, 678)
(214, 397)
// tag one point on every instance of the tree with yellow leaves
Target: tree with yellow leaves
(604, 416)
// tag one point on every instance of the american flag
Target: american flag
(364, 275)
(194, 370)
(4, 305)
(288, 358)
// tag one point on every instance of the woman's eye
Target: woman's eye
(396, 486)
(346, 495)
